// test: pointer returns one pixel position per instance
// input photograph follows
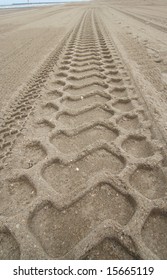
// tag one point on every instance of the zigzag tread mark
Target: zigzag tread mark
(78, 175)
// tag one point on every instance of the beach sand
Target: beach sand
(83, 131)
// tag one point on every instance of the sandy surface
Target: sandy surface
(83, 131)
(26, 37)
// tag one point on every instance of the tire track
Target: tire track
(14, 118)
(152, 24)
(80, 159)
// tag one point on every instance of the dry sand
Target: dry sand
(83, 131)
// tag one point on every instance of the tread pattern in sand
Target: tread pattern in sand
(89, 144)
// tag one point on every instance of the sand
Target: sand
(83, 131)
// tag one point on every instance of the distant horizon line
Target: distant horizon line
(46, 2)
(32, 3)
